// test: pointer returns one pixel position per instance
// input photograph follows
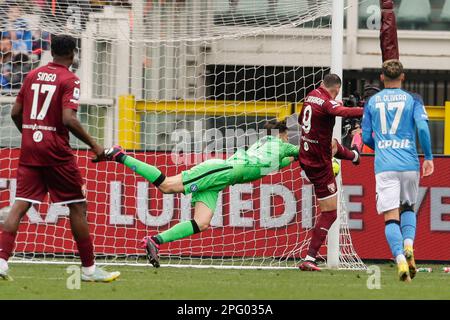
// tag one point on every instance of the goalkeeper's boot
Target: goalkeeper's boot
(309, 266)
(100, 275)
(152, 249)
(355, 150)
(114, 153)
(403, 271)
(409, 254)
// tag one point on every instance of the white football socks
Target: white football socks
(3, 265)
(408, 242)
(309, 258)
(89, 271)
(400, 258)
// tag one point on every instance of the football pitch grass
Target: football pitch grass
(40, 281)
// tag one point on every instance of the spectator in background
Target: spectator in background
(40, 4)
(17, 28)
(356, 134)
(41, 42)
(5, 61)
(13, 67)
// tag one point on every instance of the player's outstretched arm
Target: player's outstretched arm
(289, 154)
(286, 161)
(292, 151)
(72, 123)
(16, 115)
(337, 109)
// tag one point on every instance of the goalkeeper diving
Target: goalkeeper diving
(206, 180)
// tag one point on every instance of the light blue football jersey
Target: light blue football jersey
(391, 115)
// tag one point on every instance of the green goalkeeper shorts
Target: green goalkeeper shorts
(206, 180)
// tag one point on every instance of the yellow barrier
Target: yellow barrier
(129, 124)
(447, 128)
(130, 111)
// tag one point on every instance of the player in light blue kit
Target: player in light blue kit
(389, 127)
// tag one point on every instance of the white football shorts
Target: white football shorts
(395, 188)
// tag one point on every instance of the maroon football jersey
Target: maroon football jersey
(317, 121)
(45, 92)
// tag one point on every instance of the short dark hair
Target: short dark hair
(392, 69)
(6, 37)
(281, 126)
(332, 80)
(63, 45)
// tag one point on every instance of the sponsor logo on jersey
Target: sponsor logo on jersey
(37, 136)
(305, 146)
(332, 187)
(193, 187)
(394, 144)
(36, 127)
(76, 93)
(309, 140)
(76, 96)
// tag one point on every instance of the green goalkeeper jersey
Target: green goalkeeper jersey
(265, 156)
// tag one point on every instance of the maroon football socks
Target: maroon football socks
(86, 251)
(320, 231)
(7, 242)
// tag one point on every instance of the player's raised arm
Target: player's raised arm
(421, 120)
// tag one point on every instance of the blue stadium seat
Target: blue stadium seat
(445, 13)
(414, 12)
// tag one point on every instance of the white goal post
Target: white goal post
(337, 52)
(176, 83)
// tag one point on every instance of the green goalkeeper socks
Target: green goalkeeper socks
(178, 231)
(149, 172)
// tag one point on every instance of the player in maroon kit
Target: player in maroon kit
(316, 149)
(45, 111)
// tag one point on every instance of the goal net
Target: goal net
(175, 82)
